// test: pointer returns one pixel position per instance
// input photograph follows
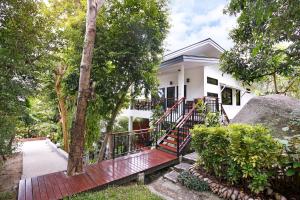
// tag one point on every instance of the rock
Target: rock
(233, 197)
(269, 191)
(228, 194)
(273, 111)
(277, 196)
(283, 198)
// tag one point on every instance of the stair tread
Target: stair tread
(168, 147)
(181, 132)
(182, 167)
(170, 141)
(175, 136)
(172, 176)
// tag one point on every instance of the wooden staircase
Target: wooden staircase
(176, 131)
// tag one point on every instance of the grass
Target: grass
(8, 196)
(132, 192)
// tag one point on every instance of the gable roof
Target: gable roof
(197, 46)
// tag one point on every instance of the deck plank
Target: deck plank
(22, 190)
(42, 187)
(35, 189)
(56, 190)
(58, 185)
(28, 189)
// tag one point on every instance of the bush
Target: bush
(192, 182)
(238, 153)
(212, 119)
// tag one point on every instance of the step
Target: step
(190, 158)
(173, 149)
(182, 167)
(175, 136)
(172, 176)
(170, 141)
(180, 132)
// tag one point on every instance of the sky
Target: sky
(194, 20)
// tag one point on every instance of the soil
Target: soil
(279, 113)
(10, 174)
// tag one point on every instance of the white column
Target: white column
(130, 130)
(181, 82)
(130, 124)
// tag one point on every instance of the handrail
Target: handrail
(225, 114)
(182, 122)
(169, 110)
(133, 131)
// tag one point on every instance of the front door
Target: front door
(170, 96)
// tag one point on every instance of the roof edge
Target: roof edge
(219, 47)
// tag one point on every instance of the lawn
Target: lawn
(132, 192)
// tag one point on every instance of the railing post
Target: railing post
(178, 145)
(114, 142)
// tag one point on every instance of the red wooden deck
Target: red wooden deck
(58, 185)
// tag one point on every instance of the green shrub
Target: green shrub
(192, 182)
(238, 153)
(212, 119)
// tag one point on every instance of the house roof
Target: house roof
(207, 47)
(188, 58)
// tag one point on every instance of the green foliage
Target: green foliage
(238, 153)
(121, 125)
(266, 36)
(200, 106)
(212, 119)
(24, 44)
(292, 163)
(157, 113)
(192, 182)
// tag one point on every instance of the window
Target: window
(238, 97)
(212, 81)
(227, 96)
(215, 95)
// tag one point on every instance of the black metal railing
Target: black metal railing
(183, 128)
(150, 104)
(169, 120)
(125, 143)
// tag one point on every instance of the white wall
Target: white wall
(195, 88)
(214, 72)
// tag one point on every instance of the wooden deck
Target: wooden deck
(120, 170)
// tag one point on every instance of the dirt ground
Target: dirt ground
(10, 174)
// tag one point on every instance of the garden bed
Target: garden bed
(226, 191)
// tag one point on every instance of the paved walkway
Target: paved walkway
(40, 158)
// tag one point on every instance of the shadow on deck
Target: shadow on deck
(120, 170)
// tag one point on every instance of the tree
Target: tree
(267, 42)
(24, 44)
(75, 162)
(128, 51)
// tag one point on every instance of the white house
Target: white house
(193, 72)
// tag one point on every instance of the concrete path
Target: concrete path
(40, 158)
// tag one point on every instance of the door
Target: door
(170, 96)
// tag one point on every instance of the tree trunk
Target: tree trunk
(275, 83)
(75, 161)
(60, 71)
(109, 128)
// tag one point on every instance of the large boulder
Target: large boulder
(280, 113)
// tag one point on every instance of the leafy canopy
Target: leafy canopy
(267, 41)
(24, 44)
